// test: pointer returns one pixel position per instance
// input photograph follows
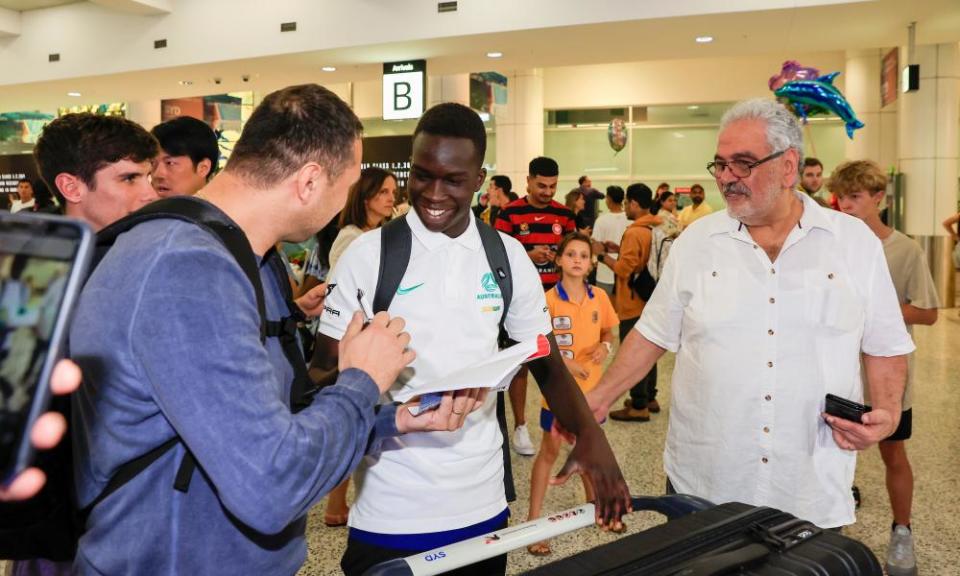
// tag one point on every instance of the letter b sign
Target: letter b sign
(403, 95)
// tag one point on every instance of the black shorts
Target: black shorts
(905, 429)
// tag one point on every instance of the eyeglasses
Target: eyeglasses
(739, 168)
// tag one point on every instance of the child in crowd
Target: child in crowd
(583, 318)
(859, 187)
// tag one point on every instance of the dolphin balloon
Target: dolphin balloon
(808, 97)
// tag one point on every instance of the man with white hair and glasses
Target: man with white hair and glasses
(769, 305)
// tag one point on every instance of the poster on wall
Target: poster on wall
(889, 73)
(487, 89)
(389, 153)
(224, 113)
(13, 167)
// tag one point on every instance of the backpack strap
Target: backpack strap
(499, 263)
(207, 216)
(200, 213)
(396, 243)
(286, 330)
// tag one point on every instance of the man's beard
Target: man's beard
(747, 210)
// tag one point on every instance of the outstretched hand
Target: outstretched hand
(454, 408)
(592, 456)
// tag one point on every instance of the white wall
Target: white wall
(673, 81)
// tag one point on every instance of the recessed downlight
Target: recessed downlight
(694, 107)
(494, 54)
(74, 94)
(329, 68)
(704, 39)
(186, 82)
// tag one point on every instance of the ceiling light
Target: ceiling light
(186, 82)
(74, 94)
(704, 39)
(693, 107)
(494, 54)
(329, 68)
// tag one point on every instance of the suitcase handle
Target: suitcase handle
(672, 506)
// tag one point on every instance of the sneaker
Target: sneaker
(631, 415)
(654, 407)
(900, 558)
(521, 441)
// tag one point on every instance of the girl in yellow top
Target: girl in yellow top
(583, 318)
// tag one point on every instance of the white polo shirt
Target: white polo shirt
(437, 481)
(759, 345)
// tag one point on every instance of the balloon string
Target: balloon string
(813, 145)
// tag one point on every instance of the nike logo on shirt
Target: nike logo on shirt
(538, 218)
(401, 291)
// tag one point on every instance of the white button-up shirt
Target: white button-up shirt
(759, 344)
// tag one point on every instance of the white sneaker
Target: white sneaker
(521, 441)
(900, 558)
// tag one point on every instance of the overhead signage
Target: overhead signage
(404, 89)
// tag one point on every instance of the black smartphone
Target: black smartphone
(846, 409)
(43, 264)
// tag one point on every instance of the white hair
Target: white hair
(783, 130)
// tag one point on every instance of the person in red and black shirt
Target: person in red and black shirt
(539, 223)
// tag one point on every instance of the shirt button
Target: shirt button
(830, 276)
(755, 246)
(714, 273)
(764, 460)
(768, 398)
(770, 332)
(772, 271)
(769, 364)
(773, 300)
(766, 430)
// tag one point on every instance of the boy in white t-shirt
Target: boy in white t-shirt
(426, 490)
(860, 187)
(609, 229)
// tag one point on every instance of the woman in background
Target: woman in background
(369, 204)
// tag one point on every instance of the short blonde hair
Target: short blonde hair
(856, 176)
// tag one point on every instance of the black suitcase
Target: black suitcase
(699, 539)
(731, 538)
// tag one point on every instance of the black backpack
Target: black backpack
(49, 525)
(396, 241)
(642, 283)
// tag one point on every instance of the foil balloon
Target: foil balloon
(617, 134)
(806, 96)
(792, 70)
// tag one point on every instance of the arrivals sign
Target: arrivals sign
(404, 89)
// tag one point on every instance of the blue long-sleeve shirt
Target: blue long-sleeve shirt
(167, 334)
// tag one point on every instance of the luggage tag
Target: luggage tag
(431, 400)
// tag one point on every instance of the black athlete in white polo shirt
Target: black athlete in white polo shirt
(430, 489)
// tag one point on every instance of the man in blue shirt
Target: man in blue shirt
(167, 333)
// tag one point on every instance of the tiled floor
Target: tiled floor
(934, 452)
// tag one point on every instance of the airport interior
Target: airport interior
(619, 91)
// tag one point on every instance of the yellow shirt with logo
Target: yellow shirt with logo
(577, 327)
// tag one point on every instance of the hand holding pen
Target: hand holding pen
(377, 345)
